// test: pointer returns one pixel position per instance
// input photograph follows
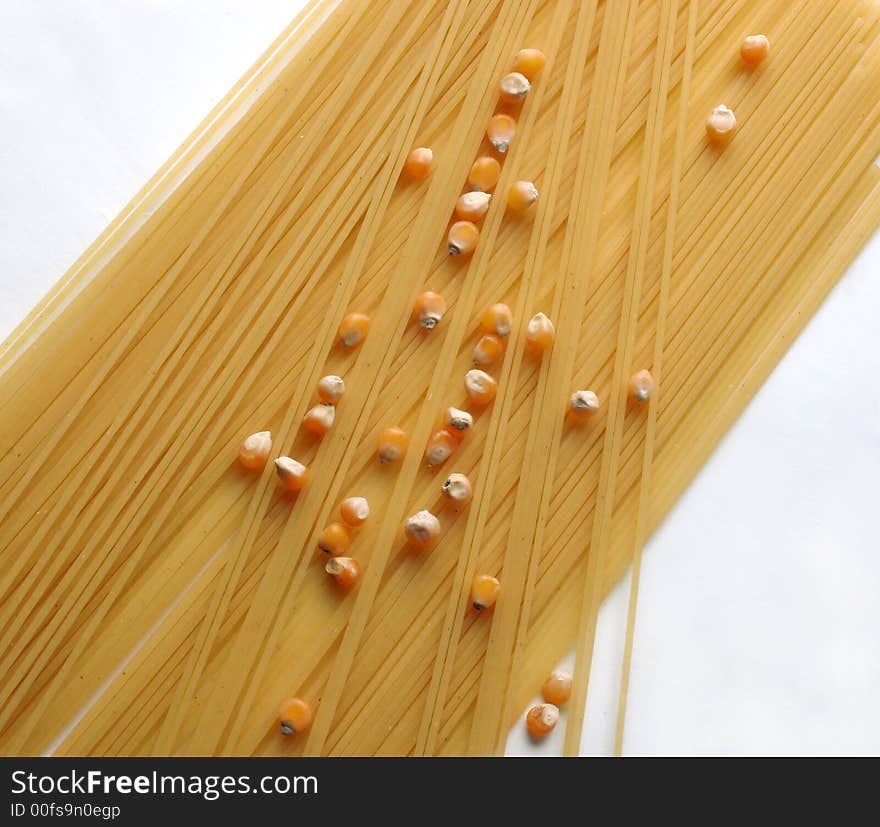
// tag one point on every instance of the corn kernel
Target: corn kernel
(721, 125)
(497, 319)
(458, 489)
(480, 387)
(293, 475)
(500, 132)
(521, 196)
(355, 510)
(458, 420)
(514, 87)
(541, 719)
(463, 237)
(557, 688)
(429, 309)
(440, 447)
(484, 174)
(419, 162)
(255, 450)
(353, 329)
(529, 62)
(641, 386)
(319, 419)
(334, 539)
(331, 389)
(484, 591)
(392, 444)
(540, 332)
(295, 715)
(346, 571)
(755, 48)
(488, 350)
(422, 529)
(583, 403)
(472, 206)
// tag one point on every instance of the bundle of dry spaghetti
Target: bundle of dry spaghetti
(157, 598)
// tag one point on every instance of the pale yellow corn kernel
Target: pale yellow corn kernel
(255, 449)
(521, 196)
(458, 420)
(319, 419)
(529, 62)
(484, 174)
(721, 125)
(583, 403)
(422, 529)
(440, 447)
(419, 162)
(472, 206)
(488, 350)
(463, 237)
(500, 132)
(540, 332)
(346, 571)
(353, 329)
(485, 590)
(557, 688)
(295, 715)
(514, 87)
(480, 387)
(497, 319)
(458, 489)
(429, 309)
(293, 474)
(331, 389)
(641, 386)
(755, 48)
(392, 444)
(541, 720)
(355, 510)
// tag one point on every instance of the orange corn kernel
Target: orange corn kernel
(293, 475)
(392, 444)
(422, 529)
(331, 389)
(463, 238)
(557, 688)
(641, 386)
(484, 174)
(458, 421)
(440, 447)
(480, 387)
(541, 719)
(295, 715)
(334, 539)
(540, 332)
(254, 451)
(346, 571)
(355, 510)
(472, 206)
(429, 309)
(721, 125)
(521, 196)
(488, 350)
(500, 132)
(484, 591)
(458, 489)
(353, 329)
(319, 420)
(529, 62)
(514, 87)
(583, 404)
(419, 162)
(497, 319)
(755, 48)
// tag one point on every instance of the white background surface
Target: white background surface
(759, 621)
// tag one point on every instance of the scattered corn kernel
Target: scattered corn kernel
(254, 451)
(521, 196)
(484, 174)
(459, 420)
(355, 510)
(334, 539)
(641, 386)
(541, 719)
(392, 444)
(488, 350)
(583, 403)
(472, 206)
(557, 688)
(500, 132)
(419, 162)
(422, 529)
(458, 489)
(484, 591)
(463, 237)
(755, 48)
(319, 420)
(497, 319)
(353, 329)
(429, 309)
(514, 87)
(529, 62)
(295, 715)
(293, 475)
(440, 447)
(721, 125)
(480, 387)
(346, 571)
(540, 332)
(331, 389)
